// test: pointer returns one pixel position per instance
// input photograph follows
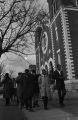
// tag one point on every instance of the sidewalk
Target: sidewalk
(11, 112)
(55, 112)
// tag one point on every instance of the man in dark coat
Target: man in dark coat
(28, 89)
(59, 77)
(36, 89)
(7, 82)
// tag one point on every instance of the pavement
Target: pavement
(55, 111)
(11, 112)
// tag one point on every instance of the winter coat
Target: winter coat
(28, 86)
(7, 83)
(36, 84)
(19, 86)
(59, 77)
(44, 85)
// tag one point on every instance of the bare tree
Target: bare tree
(2, 70)
(18, 20)
(11, 72)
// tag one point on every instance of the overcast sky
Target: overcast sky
(17, 63)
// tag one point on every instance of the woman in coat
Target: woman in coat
(44, 87)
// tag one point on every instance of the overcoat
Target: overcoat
(7, 87)
(59, 77)
(28, 86)
(44, 85)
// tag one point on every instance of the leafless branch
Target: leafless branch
(18, 23)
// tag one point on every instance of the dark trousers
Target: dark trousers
(35, 100)
(45, 101)
(28, 102)
(21, 101)
(61, 94)
(7, 101)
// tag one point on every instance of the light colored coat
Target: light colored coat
(44, 85)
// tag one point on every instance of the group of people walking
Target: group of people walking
(26, 90)
(31, 86)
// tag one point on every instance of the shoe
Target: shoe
(38, 105)
(6, 104)
(62, 105)
(45, 108)
(27, 108)
(34, 106)
(31, 110)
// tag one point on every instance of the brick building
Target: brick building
(57, 41)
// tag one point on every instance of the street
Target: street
(11, 112)
(54, 112)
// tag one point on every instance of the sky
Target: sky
(16, 63)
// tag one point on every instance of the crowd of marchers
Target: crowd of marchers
(24, 89)
(28, 87)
